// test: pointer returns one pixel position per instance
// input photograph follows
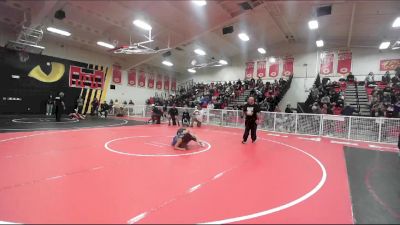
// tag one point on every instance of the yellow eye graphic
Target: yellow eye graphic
(57, 71)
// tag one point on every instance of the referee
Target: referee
(251, 111)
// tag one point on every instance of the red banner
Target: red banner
(344, 63)
(142, 79)
(166, 83)
(173, 84)
(249, 70)
(159, 82)
(261, 69)
(274, 69)
(132, 77)
(288, 66)
(117, 74)
(150, 81)
(389, 64)
(326, 67)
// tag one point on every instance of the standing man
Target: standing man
(197, 116)
(49, 105)
(60, 106)
(251, 111)
(173, 113)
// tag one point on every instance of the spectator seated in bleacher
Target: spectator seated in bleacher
(350, 77)
(370, 80)
(348, 110)
(386, 78)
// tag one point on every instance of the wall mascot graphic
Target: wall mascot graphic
(57, 71)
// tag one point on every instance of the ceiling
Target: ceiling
(187, 26)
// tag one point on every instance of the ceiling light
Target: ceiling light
(384, 45)
(104, 44)
(272, 60)
(58, 31)
(167, 63)
(261, 50)
(313, 24)
(199, 52)
(396, 22)
(223, 62)
(243, 37)
(320, 43)
(192, 70)
(395, 48)
(200, 2)
(142, 24)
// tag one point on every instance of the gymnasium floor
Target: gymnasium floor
(122, 171)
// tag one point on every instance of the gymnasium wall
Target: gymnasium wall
(124, 92)
(38, 77)
(364, 60)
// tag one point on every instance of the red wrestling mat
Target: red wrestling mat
(132, 175)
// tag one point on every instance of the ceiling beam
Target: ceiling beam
(350, 33)
(274, 20)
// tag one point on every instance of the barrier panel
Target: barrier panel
(374, 129)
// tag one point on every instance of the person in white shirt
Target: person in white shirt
(210, 105)
(197, 116)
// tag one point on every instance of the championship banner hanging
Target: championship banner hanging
(389, 64)
(142, 79)
(117, 74)
(159, 82)
(249, 70)
(173, 84)
(166, 83)
(261, 68)
(132, 77)
(274, 69)
(326, 63)
(344, 63)
(150, 81)
(288, 66)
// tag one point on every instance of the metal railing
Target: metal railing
(372, 129)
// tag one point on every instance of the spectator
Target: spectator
(288, 109)
(350, 77)
(348, 110)
(386, 78)
(49, 105)
(95, 107)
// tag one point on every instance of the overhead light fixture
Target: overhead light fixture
(272, 60)
(192, 70)
(199, 52)
(313, 24)
(384, 45)
(200, 2)
(261, 50)
(223, 62)
(243, 36)
(167, 63)
(396, 22)
(320, 43)
(58, 31)
(142, 24)
(104, 44)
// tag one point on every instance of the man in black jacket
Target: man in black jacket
(60, 106)
(173, 113)
(251, 111)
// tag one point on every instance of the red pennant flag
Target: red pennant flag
(288, 67)
(274, 69)
(150, 81)
(132, 77)
(166, 83)
(173, 84)
(344, 63)
(249, 70)
(326, 63)
(261, 68)
(142, 79)
(117, 74)
(159, 82)
(389, 64)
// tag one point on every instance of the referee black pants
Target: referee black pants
(251, 126)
